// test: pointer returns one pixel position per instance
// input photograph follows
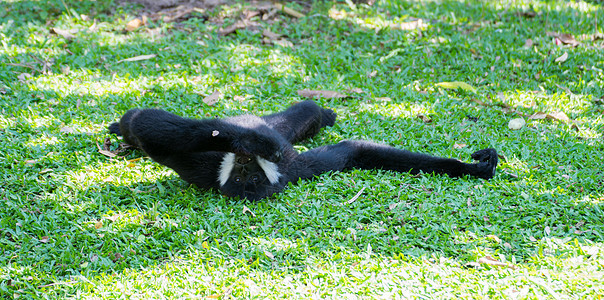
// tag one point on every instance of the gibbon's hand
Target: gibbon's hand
(487, 162)
(265, 146)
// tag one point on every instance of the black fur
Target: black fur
(253, 157)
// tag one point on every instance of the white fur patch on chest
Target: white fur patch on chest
(271, 170)
(226, 167)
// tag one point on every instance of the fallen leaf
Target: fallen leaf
(528, 43)
(98, 224)
(459, 146)
(213, 98)
(247, 210)
(355, 91)
(114, 217)
(424, 118)
(136, 23)
(494, 238)
(516, 124)
(562, 58)
(68, 34)
(411, 25)
(321, 94)
(453, 85)
(271, 35)
(283, 43)
(137, 58)
(44, 239)
(538, 116)
(392, 206)
(66, 129)
(558, 116)
(23, 77)
(205, 245)
(568, 39)
(117, 256)
(487, 260)
(92, 27)
(269, 255)
(107, 153)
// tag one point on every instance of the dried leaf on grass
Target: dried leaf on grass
(138, 58)
(562, 58)
(558, 116)
(106, 149)
(247, 210)
(411, 25)
(68, 34)
(564, 38)
(271, 35)
(321, 94)
(213, 98)
(459, 146)
(136, 23)
(487, 260)
(424, 118)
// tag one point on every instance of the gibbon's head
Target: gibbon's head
(250, 177)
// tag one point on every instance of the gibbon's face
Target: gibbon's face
(248, 177)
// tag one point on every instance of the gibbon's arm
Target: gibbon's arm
(301, 121)
(159, 132)
(369, 155)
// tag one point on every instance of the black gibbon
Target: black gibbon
(252, 157)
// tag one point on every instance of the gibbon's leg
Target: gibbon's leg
(161, 133)
(301, 121)
(369, 155)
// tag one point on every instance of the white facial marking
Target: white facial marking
(226, 167)
(270, 169)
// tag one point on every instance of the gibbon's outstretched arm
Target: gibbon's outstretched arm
(160, 133)
(301, 121)
(369, 155)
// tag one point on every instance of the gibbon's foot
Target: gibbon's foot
(487, 162)
(262, 145)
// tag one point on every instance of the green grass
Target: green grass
(75, 223)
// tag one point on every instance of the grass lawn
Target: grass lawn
(442, 77)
